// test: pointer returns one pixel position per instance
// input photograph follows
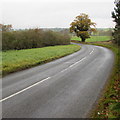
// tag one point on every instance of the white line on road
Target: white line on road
(41, 81)
(37, 83)
(24, 89)
(80, 60)
(64, 70)
(77, 62)
(92, 51)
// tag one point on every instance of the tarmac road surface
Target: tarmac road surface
(64, 88)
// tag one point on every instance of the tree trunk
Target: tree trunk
(83, 39)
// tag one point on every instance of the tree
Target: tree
(81, 26)
(116, 17)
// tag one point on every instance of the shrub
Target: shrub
(32, 38)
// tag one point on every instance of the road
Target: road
(64, 88)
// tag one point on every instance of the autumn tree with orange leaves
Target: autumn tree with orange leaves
(81, 26)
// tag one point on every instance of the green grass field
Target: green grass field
(93, 38)
(15, 60)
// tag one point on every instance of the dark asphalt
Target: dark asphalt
(72, 86)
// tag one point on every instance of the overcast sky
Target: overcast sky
(55, 13)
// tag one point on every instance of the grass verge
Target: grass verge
(93, 38)
(109, 104)
(15, 60)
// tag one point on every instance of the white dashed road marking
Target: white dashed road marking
(42, 80)
(25, 89)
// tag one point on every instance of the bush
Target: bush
(32, 38)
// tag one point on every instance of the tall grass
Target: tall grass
(32, 38)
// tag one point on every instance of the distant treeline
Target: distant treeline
(99, 32)
(103, 32)
(32, 38)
